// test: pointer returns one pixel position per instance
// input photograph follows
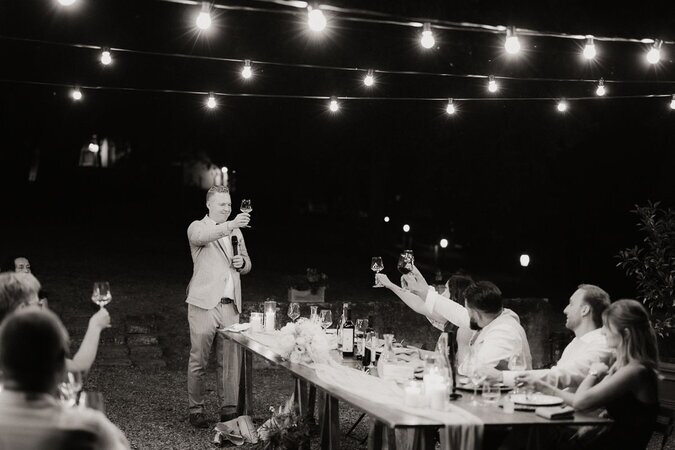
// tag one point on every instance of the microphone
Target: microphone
(235, 245)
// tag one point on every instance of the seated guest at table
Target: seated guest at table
(21, 290)
(454, 290)
(497, 334)
(628, 389)
(584, 318)
(33, 345)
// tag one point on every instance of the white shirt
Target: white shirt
(575, 361)
(31, 421)
(496, 343)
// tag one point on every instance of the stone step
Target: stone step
(142, 339)
(114, 362)
(151, 364)
(137, 329)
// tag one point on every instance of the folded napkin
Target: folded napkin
(555, 412)
(237, 327)
(237, 431)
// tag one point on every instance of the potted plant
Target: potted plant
(287, 429)
(310, 287)
(651, 265)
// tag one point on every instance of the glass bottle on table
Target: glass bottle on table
(361, 325)
(314, 314)
(343, 317)
(348, 336)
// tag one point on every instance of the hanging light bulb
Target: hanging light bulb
(106, 57)
(333, 106)
(315, 19)
(511, 44)
(654, 53)
(203, 20)
(562, 105)
(67, 2)
(76, 94)
(492, 84)
(600, 91)
(93, 145)
(247, 70)
(386, 219)
(369, 79)
(672, 102)
(590, 51)
(211, 102)
(450, 109)
(427, 40)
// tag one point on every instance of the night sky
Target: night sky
(497, 179)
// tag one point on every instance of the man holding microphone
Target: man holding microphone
(219, 257)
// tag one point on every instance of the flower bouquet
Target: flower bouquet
(285, 430)
(304, 342)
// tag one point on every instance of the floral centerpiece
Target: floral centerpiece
(304, 341)
(287, 429)
(312, 280)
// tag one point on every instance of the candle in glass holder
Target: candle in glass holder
(270, 316)
(257, 322)
(435, 390)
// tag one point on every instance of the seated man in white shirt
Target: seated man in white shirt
(584, 318)
(33, 345)
(497, 333)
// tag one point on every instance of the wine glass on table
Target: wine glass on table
(477, 375)
(293, 311)
(101, 294)
(517, 364)
(326, 318)
(246, 207)
(376, 265)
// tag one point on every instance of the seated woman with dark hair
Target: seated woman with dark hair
(628, 389)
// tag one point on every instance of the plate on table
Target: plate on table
(536, 399)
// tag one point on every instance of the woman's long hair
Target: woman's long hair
(638, 338)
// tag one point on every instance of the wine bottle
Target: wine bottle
(370, 328)
(367, 359)
(348, 335)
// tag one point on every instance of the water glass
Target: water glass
(326, 318)
(552, 378)
(490, 394)
(293, 311)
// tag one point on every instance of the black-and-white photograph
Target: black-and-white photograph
(294, 225)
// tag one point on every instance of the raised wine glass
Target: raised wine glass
(101, 293)
(246, 207)
(293, 310)
(326, 318)
(376, 265)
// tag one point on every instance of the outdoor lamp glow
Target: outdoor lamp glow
(654, 53)
(562, 106)
(406, 228)
(450, 109)
(590, 51)
(369, 79)
(211, 102)
(600, 91)
(672, 102)
(315, 19)
(524, 260)
(203, 20)
(247, 71)
(444, 243)
(224, 169)
(386, 219)
(511, 44)
(76, 94)
(492, 84)
(333, 106)
(427, 40)
(106, 57)
(66, 2)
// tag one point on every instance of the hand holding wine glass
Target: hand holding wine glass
(101, 294)
(246, 208)
(376, 265)
(293, 311)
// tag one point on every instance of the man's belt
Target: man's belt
(226, 301)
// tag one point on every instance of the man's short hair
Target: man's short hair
(33, 347)
(16, 289)
(216, 190)
(597, 299)
(485, 297)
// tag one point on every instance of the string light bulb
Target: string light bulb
(203, 20)
(333, 105)
(247, 70)
(406, 228)
(590, 52)
(386, 219)
(106, 57)
(444, 243)
(427, 40)
(211, 102)
(76, 94)
(450, 109)
(369, 79)
(654, 53)
(316, 19)
(67, 2)
(511, 44)
(562, 106)
(492, 84)
(600, 91)
(672, 102)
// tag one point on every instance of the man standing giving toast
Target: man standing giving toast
(219, 257)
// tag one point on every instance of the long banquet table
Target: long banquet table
(386, 419)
